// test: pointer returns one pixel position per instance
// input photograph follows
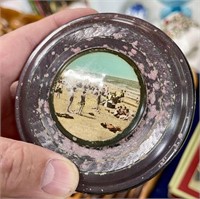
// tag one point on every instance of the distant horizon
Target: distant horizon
(95, 63)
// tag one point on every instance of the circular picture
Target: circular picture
(96, 96)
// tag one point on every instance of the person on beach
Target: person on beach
(82, 102)
(71, 98)
(98, 100)
(59, 88)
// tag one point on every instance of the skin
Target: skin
(21, 170)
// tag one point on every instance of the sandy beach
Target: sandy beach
(87, 126)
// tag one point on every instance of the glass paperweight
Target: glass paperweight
(110, 92)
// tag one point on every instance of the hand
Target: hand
(26, 170)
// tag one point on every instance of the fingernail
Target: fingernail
(59, 178)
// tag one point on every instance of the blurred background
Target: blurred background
(180, 20)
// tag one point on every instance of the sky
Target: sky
(103, 62)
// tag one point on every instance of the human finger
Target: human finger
(29, 171)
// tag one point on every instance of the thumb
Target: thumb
(29, 171)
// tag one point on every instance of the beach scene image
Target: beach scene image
(96, 96)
